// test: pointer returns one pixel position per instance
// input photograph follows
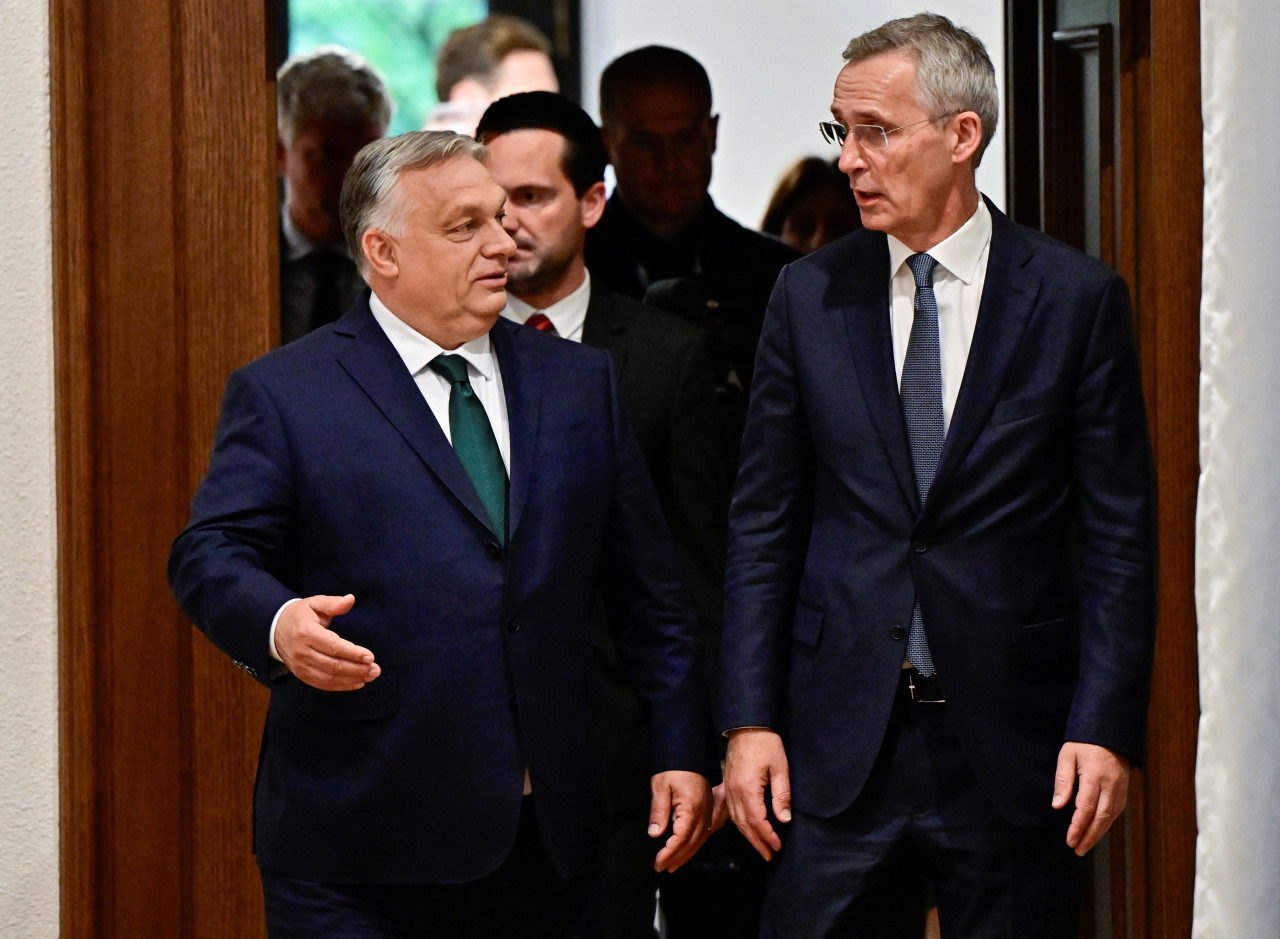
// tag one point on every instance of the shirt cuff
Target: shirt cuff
(271, 636)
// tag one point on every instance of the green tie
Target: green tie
(474, 442)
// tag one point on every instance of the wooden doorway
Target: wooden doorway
(1104, 152)
(164, 242)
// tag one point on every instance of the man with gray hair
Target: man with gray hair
(329, 103)
(940, 589)
(406, 518)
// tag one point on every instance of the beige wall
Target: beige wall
(28, 586)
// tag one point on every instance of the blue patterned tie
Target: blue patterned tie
(473, 441)
(921, 394)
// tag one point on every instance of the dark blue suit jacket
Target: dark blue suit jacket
(330, 475)
(1033, 561)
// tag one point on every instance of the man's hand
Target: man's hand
(682, 799)
(1102, 794)
(317, 656)
(756, 760)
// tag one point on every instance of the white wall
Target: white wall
(28, 593)
(772, 68)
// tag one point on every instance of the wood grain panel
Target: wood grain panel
(1169, 252)
(164, 278)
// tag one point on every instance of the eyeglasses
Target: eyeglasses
(870, 136)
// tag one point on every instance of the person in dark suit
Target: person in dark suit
(546, 152)
(329, 103)
(661, 236)
(939, 598)
(406, 519)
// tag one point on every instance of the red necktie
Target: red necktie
(540, 321)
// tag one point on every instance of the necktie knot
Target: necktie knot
(452, 367)
(541, 321)
(922, 266)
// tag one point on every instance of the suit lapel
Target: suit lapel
(522, 385)
(1008, 297)
(862, 288)
(373, 363)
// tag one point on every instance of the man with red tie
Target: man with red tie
(547, 154)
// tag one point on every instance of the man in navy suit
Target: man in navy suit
(939, 601)
(405, 521)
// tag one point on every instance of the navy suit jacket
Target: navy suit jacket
(1033, 560)
(330, 475)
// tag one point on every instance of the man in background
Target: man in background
(661, 235)
(329, 104)
(499, 56)
(546, 153)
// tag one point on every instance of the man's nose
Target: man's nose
(501, 244)
(851, 156)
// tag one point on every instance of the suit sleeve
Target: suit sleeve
(696, 503)
(769, 523)
(224, 567)
(1116, 511)
(649, 610)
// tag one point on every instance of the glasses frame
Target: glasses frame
(836, 133)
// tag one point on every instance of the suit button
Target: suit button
(492, 550)
(513, 626)
(897, 632)
(919, 546)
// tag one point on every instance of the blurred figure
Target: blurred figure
(329, 104)
(812, 205)
(546, 152)
(661, 236)
(479, 64)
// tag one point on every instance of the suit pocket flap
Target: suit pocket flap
(807, 627)
(377, 700)
(1020, 408)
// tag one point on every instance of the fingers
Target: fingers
(756, 760)
(719, 807)
(686, 798)
(1102, 792)
(315, 654)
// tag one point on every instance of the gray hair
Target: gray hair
(333, 84)
(370, 195)
(953, 71)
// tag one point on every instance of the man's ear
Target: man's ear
(380, 253)
(967, 127)
(714, 121)
(592, 204)
(280, 157)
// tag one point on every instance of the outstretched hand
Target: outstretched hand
(317, 655)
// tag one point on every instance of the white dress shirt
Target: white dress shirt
(417, 351)
(958, 280)
(567, 315)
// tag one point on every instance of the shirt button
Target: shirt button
(919, 546)
(897, 632)
(513, 626)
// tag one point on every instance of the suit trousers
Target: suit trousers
(523, 897)
(922, 821)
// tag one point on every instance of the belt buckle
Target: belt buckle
(912, 675)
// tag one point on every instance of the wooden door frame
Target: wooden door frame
(165, 279)
(1153, 235)
(164, 233)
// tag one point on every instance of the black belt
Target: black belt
(922, 689)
